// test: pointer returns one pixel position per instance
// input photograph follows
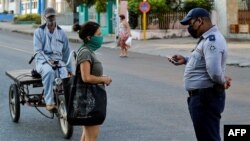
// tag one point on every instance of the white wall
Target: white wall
(220, 15)
(12, 6)
(51, 3)
(1, 8)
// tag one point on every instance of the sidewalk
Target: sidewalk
(238, 53)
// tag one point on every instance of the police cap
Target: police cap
(195, 12)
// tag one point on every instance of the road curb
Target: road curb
(238, 64)
(23, 32)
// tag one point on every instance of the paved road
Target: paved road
(239, 50)
(146, 100)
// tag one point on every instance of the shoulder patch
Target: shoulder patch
(212, 47)
(211, 37)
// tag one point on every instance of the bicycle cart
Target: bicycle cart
(19, 94)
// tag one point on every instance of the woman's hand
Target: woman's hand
(107, 80)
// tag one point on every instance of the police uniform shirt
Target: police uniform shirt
(206, 65)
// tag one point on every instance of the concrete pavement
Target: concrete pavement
(239, 51)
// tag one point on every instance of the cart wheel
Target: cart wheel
(66, 128)
(14, 103)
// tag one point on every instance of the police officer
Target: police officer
(204, 74)
(52, 41)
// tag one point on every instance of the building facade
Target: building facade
(233, 18)
(31, 6)
(10, 6)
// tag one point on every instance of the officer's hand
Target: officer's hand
(177, 60)
(227, 83)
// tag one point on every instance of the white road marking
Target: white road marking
(17, 49)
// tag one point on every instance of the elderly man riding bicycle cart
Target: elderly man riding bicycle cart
(19, 94)
(53, 63)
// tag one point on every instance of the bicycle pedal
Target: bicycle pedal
(34, 99)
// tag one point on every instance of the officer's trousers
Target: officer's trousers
(48, 78)
(205, 109)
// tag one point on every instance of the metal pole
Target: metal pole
(117, 20)
(144, 23)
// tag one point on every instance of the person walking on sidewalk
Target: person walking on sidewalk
(91, 69)
(52, 45)
(124, 33)
(204, 75)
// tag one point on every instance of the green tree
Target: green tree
(133, 6)
(133, 19)
(101, 5)
(175, 5)
(134, 12)
(190, 4)
(157, 7)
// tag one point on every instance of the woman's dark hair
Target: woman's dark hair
(122, 16)
(87, 29)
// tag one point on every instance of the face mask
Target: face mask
(192, 32)
(94, 43)
(51, 22)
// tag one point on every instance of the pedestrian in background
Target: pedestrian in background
(204, 75)
(52, 44)
(91, 69)
(124, 33)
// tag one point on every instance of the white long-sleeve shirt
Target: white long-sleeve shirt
(55, 46)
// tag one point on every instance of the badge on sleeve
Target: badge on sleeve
(212, 47)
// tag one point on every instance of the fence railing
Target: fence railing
(244, 16)
(168, 20)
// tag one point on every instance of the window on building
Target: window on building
(12, 0)
(34, 5)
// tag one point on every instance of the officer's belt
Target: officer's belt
(215, 88)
